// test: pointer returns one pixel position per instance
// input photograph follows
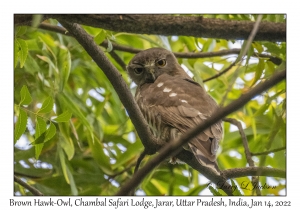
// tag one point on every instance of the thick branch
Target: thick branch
(171, 149)
(254, 171)
(196, 26)
(27, 186)
(273, 59)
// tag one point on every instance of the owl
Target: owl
(173, 103)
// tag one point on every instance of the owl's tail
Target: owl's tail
(203, 160)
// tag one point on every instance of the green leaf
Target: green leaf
(23, 51)
(40, 139)
(63, 165)
(236, 192)
(20, 124)
(49, 61)
(100, 37)
(51, 131)
(72, 182)
(64, 60)
(47, 105)
(25, 96)
(259, 70)
(21, 30)
(31, 65)
(39, 132)
(64, 117)
(98, 153)
(16, 53)
(66, 142)
(38, 149)
(214, 191)
(207, 45)
(40, 127)
(195, 191)
(109, 46)
(67, 173)
(46, 136)
(258, 47)
(76, 110)
(240, 56)
(132, 151)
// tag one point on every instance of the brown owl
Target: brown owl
(172, 103)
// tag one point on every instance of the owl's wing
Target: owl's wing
(182, 104)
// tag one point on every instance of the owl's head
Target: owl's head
(148, 65)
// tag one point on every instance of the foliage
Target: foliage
(74, 137)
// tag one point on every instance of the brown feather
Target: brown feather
(173, 103)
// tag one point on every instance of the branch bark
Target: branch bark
(27, 186)
(254, 171)
(190, 55)
(196, 26)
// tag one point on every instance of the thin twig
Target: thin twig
(27, 186)
(244, 139)
(235, 122)
(268, 152)
(120, 172)
(57, 29)
(220, 73)
(141, 157)
(118, 59)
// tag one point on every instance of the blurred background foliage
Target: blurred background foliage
(78, 140)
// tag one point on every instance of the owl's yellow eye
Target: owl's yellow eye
(161, 62)
(138, 70)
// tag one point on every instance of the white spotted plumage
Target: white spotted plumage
(166, 90)
(172, 103)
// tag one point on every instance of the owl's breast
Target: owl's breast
(152, 115)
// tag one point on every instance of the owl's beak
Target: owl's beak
(150, 73)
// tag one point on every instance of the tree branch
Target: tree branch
(173, 147)
(196, 26)
(254, 171)
(267, 152)
(273, 59)
(27, 186)
(244, 139)
(255, 179)
(118, 59)
(220, 73)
